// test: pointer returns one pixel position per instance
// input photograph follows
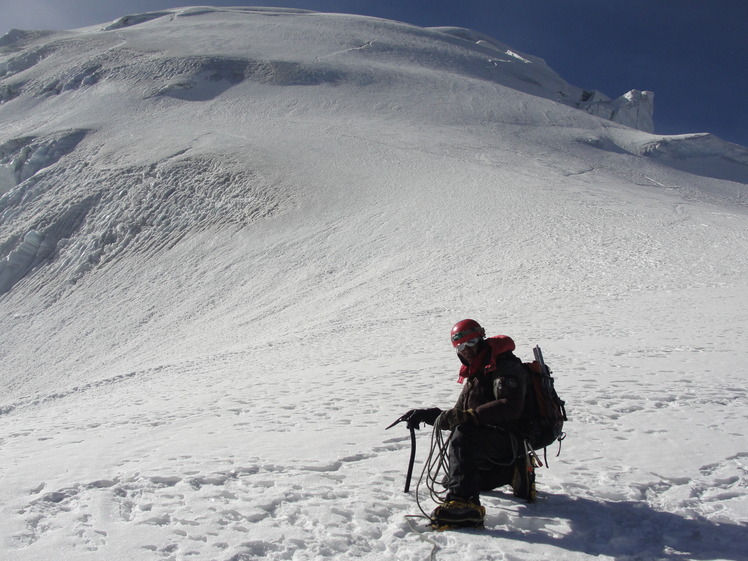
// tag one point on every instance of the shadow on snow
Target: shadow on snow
(625, 530)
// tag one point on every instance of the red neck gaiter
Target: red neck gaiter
(494, 347)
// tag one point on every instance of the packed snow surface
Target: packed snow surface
(233, 244)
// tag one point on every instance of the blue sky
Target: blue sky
(691, 53)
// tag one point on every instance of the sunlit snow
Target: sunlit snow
(233, 243)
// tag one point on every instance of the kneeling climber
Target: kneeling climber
(489, 423)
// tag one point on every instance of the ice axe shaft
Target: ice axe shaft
(412, 459)
(412, 451)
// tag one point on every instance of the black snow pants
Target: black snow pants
(480, 459)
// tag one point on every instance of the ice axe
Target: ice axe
(412, 448)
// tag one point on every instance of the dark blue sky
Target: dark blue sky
(691, 53)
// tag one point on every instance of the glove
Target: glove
(415, 417)
(451, 418)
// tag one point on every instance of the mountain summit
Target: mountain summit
(87, 101)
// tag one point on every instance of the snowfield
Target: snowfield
(234, 242)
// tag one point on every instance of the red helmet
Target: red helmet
(466, 330)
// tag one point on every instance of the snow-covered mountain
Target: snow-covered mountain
(234, 240)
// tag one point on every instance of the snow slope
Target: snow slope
(234, 242)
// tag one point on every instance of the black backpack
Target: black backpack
(547, 410)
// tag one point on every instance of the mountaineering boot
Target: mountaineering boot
(523, 482)
(457, 514)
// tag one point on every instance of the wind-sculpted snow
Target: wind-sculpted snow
(698, 154)
(15, 39)
(16, 64)
(233, 242)
(701, 154)
(143, 210)
(135, 19)
(203, 78)
(192, 77)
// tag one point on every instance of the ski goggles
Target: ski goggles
(469, 343)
